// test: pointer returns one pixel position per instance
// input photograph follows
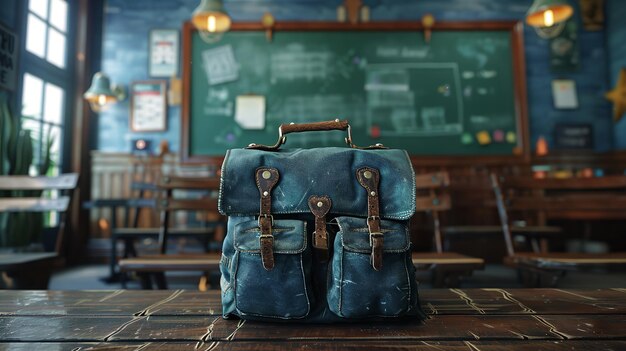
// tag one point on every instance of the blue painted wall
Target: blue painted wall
(125, 51)
(616, 11)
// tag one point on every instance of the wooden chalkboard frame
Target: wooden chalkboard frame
(519, 75)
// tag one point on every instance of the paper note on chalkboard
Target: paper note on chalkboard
(220, 65)
(250, 111)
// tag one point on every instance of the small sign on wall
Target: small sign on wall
(564, 94)
(8, 58)
(573, 136)
(163, 53)
(148, 106)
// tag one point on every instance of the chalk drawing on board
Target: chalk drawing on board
(295, 63)
(481, 50)
(316, 108)
(220, 65)
(434, 89)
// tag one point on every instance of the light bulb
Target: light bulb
(102, 100)
(548, 18)
(211, 24)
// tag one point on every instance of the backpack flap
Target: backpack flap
(328, 171)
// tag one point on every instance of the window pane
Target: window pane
(34, 127)
(55, 133)
(36, 36)
(53, 105)
(56, 48)
(32, 96)
(58, 14)
(39, 7)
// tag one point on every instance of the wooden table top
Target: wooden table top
(459, 319)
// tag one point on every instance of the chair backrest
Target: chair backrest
(169, 202)
(432, 197)
(572, 198)
(23, 194)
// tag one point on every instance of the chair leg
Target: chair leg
(159, 279)
(123, 279)
(146, 282)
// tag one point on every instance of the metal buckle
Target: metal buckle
(265, 216)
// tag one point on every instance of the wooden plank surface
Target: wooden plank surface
(458, 319)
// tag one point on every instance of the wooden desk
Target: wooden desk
(472, 319)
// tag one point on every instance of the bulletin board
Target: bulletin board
(463, 93)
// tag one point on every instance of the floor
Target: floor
(90, 278)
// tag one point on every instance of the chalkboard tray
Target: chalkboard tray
(461, 94)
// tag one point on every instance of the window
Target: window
(46, 80)
(42, 111)
(46, 32)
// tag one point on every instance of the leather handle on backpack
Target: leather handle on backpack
(285, 129)
(313, 127)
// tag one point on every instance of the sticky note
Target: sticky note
(466, 139)
(511, 137)
(375, 131)
(498, 135)
(483, 137)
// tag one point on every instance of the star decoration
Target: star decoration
(618, 96)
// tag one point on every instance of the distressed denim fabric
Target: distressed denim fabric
(306, 172)
(301, 287)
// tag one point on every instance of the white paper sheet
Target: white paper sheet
(250, 111)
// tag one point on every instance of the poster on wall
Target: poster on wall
(164, 47)
(148, 106)
(564, 50)
(8, 58)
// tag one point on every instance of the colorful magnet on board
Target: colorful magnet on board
(466, 139)
(511, 137)
(375, 131)
(483, 137)
(498, 135)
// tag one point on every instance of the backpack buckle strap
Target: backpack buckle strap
(319, 206)
(266, 179)
(369, 178)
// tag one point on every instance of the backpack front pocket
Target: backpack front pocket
(355, 289)
(282, 292)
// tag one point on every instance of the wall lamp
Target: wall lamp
(548, 17)
(211, 20)
(101, 93)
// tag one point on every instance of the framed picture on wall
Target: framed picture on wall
(164, 52)
(148, 106)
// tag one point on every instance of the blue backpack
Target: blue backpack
(318, 235)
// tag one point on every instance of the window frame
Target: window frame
(50, 73)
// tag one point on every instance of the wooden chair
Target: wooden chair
(544, 199)
(33, 270)
(154, 266)
(474, 193)
(447, 267)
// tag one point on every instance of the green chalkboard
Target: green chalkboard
(437, 98)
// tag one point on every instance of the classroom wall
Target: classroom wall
(125, 50)
(616, 41)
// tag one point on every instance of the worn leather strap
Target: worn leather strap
(369, 178)
(320, 205)
(266, 179)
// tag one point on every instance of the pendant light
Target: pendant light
(211, 20)
(548, 17)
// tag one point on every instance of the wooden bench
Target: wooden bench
(544, 199)
(152, 267)
(447, 267)
(129, 232)
(473, 194)
(32, 270)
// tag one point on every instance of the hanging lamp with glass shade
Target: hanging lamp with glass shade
(211, 20)
(548, 17)
(100, 94)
